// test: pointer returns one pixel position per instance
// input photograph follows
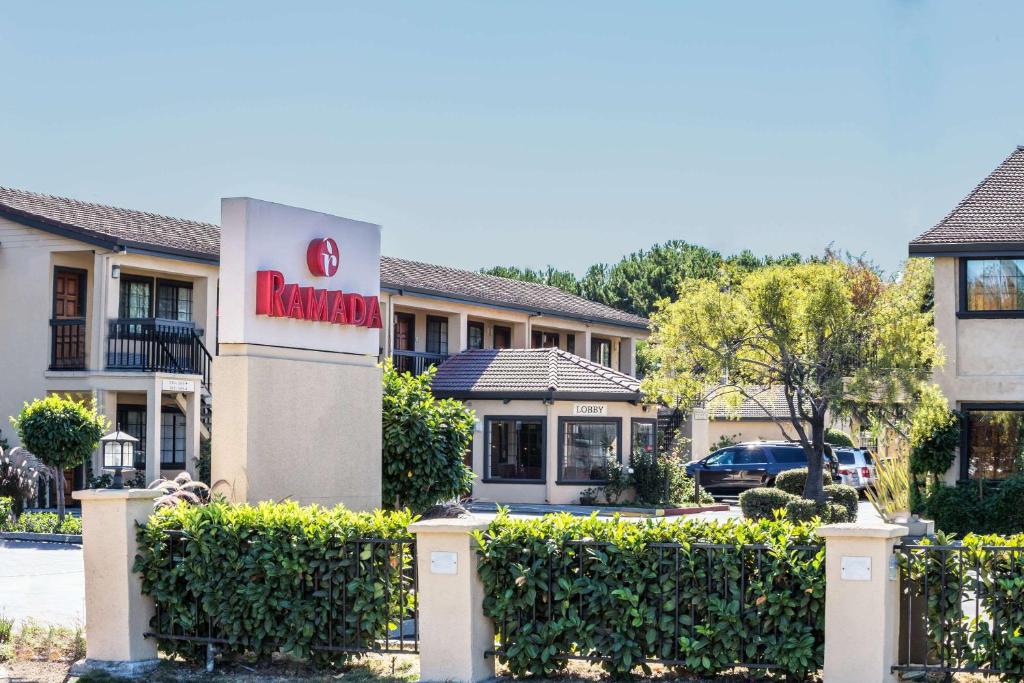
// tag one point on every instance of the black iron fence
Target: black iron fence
(343, 615)
(962, 609)
(416, 362)
(67, 344)
(155, 345)
(702, 607)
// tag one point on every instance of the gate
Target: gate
(961, 609)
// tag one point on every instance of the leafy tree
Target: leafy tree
(827, 333)
(424, 442)
(60, 432)
(562, 279)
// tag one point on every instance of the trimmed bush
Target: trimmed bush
(837, 437)
(627, 601)
(846, 496)
(272, 577)
(987, 509)
(43, 523)
(6, 511)
(800, 510)
(793, 481)
(763, 502)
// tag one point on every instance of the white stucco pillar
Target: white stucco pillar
(862, 602)
(627, 356)
(454, 633)
(117, 614)
(700, 440)
(521, 335)
(97, 314)
(583, 344)
(458, 333)
(106, 405)
(192, 431)
(154, 398)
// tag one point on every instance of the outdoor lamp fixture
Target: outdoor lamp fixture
(115, 271)
(118, 454)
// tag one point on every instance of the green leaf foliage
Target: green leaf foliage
(621, 597)
(979, 507)
(41, 523)
(61, 432)
(934, 434)
(424, 443)
(837, 437)
(763, 501)
(766, 503)
(823, 512)
(990, 570)
(793, 481)
(275, 577)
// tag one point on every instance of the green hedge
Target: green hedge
(632, 602)
(793, 481)
(966, 508)
(825, 512)
(846, 496)
(271, 576)
(764, 502)
(41, 523)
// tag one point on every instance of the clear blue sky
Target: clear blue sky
(528, 132)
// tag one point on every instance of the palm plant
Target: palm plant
(182, 490)
(890, 492)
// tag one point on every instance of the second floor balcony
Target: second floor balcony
(133, 344)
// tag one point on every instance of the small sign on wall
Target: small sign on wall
(589, 409)
(855, 568)
(183, 385)
(442, 562)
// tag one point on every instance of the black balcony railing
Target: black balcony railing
(67, 344)
(416, 362)
(157, 345)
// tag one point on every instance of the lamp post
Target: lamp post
(118, 455)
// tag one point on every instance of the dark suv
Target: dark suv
(748, 465)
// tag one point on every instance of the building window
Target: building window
(172, 438)
(644, 435)
(601, 351)
(437, 335)
(992, 285)
(475, 334)
(570, 343)
(994, 441)
(174, 300)
(136, 297)
(502, 337)
(585, 447)
(544, 340)
(131, 419)
(515, 449)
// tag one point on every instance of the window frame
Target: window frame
(563, 420)
(506, 330)
(642, 420)
(537, 338)
(171, 464)
(177, 284)
(442, 339)
(475, 325)
(962, 309)
(121, 292)
(411, 319)
(83, 282)
(965, 433)
(122, 421)
(486, 477)
(596, 343)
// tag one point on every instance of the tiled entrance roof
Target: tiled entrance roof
(116, 228)
(989, 219)
(531, 373)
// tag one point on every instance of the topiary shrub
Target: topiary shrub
(837, 437)
(793, 481)
(846, 496)
(761, 503)
(799, 510)
(619, 595)
(424, 443)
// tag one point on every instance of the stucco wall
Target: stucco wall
(324, 448)
(983, 360)
(550, 491)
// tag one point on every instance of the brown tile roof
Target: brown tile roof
(114, 227)
(990, 218)
(531, 373)
(416, 277)
(720, 407)
(111, 226)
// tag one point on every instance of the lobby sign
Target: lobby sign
(299, 279)
(589, 409)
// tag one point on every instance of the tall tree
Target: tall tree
(828, 333)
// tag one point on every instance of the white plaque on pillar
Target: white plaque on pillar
(181, 385)
(443, 562)
(855, 568)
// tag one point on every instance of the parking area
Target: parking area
(42, 581)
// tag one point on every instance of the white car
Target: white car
(856, 467)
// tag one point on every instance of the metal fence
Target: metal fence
(336, 616)
(708, 585)
(962, 608)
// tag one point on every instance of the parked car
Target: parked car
(856, 467)
(749, 465)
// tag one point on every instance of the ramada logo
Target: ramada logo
(278, 299)
(323, 257)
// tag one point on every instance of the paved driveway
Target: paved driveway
(42, 581)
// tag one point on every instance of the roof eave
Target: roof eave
(497, 395)
(925, 249)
